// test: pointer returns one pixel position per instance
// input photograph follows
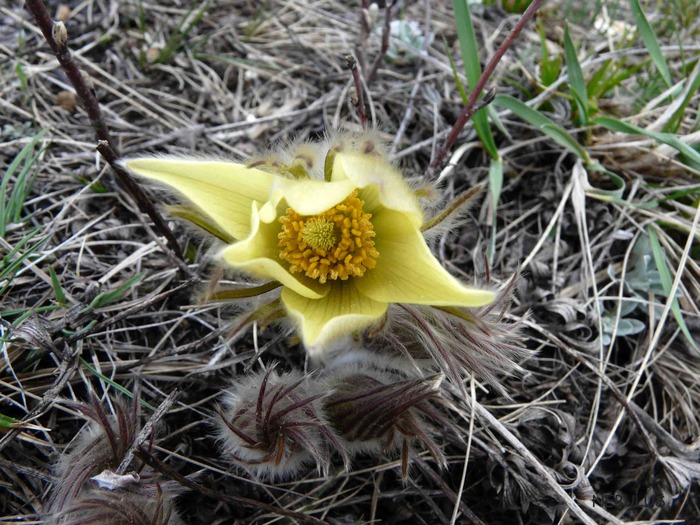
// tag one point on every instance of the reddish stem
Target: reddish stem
(386, 32)
(55, 34)
(352, 64)
(469, 110)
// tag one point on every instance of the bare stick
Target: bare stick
(386, 31)
(360, 104)
(56, 35)
(133, 189)
(469, 110)
(364, 32)
(147, 430)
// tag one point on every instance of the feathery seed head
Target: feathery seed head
(273, 425)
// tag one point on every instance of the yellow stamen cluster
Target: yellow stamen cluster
(335, 244)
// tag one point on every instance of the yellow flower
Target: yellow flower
(343, 249)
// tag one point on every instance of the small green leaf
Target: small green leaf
(57, 290)
(667, 282)
(472, 68)
(545, 124)
(106, 298)
(576, 81)
(495, 187)
(666, 138)
(21, 76)
(7, 422)
(650, 40)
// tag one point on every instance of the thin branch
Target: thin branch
(469, 108)
(360, 102)
(56, 36)
(386, 32)
(364, 31)
(147, 430)
(133, 189)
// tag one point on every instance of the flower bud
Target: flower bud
(88, 489)
(380, 410)
(273, 425)
(59, 33)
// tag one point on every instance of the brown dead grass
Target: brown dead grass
(616, 424)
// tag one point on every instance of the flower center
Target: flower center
(335, 244)
(319, 233)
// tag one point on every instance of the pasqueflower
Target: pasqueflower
(343, 246)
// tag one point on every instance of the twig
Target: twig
(56, 35)
(131, 186)
(147, 430)
(364, 32)
(360, 103)
(386, 32)
(469, 108)
(494, 424)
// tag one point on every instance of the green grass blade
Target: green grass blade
(12, 200)
(470, 58)
(595, 83)
(614, 124)
(667, 282)
(57, 289)
(543, 123)
(21, 76)
(106, 298)
(691, 91)
(10, 263)
(115, 385)
(455, 74)
(495, 187)
(577, 84)
(650, 40)
(549, 67)
(613, 195)
(180, 33)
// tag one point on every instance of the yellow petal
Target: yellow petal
(385, 184)
(407, 271)
(310, 197)
(222, 190)
(342, 311)
(258, 254)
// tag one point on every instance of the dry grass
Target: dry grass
(603, 428)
